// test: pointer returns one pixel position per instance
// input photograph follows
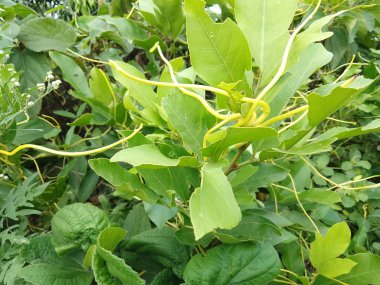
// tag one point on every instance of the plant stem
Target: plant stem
(233, 166)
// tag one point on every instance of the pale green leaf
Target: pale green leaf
(245, 263)
(148, 155)
(214, 58)
(336, 267)
(100, 87)
(42, 34)
(265, 24)
(189, 118)
(213, 204)
(330, 99)
(326, 248)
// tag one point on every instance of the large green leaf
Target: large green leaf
(246, 263)
(214, 58)
(77, 226)
(213, 204)
(47, 274)
(42, 34)
(46, 268)
(189, 118)
(265, 24)
(324, 251)
(34, 66)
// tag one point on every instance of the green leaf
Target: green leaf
(166, 15)
(164, 179)
(109, 238)
(213, 204)
(46, 268)
(189, 118)
(34, 66)
(47, 274)
(160, 214)
(214, 58)
(324, 251)
(156, 248)
(77, 226)
(365, 272)
(100, 87)
(72, 73)
(110, 269)
(148, 155)
(137, 221)
(328, 100)
(252, 227)
(265, 24)
(235, 135)
(127, 184)
(245, 263)
(42, 34)
(329, 198)
(313, 33)
(343, 133)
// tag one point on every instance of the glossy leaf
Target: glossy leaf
(214, 58)
(213, 204)
(245, 263)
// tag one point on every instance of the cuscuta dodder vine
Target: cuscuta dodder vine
(250, 120)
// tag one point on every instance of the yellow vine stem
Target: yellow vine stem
(71, 154)
(284, 116)
(230, 118)
(345, 70)
(292, 123)
(282, 68)
(300, 204)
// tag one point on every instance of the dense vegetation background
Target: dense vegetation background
(189, 142)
